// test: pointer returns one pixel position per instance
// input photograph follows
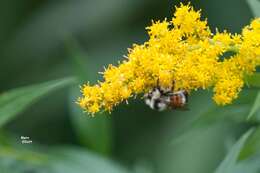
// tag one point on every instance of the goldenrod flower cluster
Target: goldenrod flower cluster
(182, 52)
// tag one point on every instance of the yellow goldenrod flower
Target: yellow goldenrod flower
(182, 54)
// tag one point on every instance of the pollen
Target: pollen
(181, 53)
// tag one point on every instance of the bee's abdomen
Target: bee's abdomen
(178, 101)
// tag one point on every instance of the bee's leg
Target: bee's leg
(169, 91)
(157, 84)
(186, 94)
(173, 85)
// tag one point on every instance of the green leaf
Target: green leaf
(213, 114)
(22, 154)
(255, 7)
(77, 59)
(216, 114)
(17, 100)
(35, 158)
(252, 145)
(253, 80)
(92, 132)
(250, 165)
(56, 160)
(255, 110)
(229, 163)
(68, 160)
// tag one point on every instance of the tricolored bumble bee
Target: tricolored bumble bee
(160, 99)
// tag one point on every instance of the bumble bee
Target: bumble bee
(160, 99)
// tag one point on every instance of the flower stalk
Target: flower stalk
(182, 54)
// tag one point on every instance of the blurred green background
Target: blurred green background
(47, 40)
